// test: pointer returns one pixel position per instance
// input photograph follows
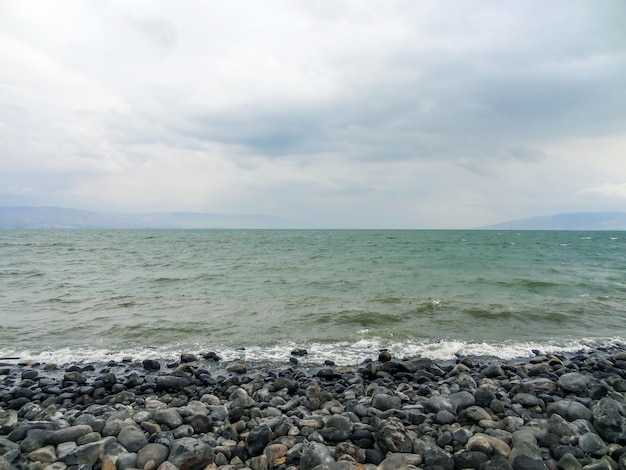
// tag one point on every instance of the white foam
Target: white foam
(344, 353)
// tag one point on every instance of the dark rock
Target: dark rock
(384, 356)
(172, 382)
(336, 428)
(151, 364)
(188, 453)
(132, 438)
(169, 417)
(152, 455)
(314, 454)
(392, 436)
(237, 368)
(299, 352)
(570, 410)
(386, 402)
(188, 357)
(257, 439)
(469, 459)
(592, 444)
(72, 433)
(438, 459)
(609, 419)
(575, 382)
(200, 423)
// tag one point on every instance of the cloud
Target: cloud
(421, 113)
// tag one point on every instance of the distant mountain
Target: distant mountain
(571, 221)
(56, 217)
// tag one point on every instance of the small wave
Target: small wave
(534, 283)
(342, 353)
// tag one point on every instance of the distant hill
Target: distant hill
(56, 217)
(570, 221)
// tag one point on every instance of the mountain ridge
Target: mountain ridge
(22, 217)
(566, 221)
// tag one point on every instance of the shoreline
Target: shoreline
(550, 411)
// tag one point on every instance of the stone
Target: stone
(386, 402)
(72, 433)
(347, 448)
(168, 417)
(609, 419)
(44, 455)
(592, 444)
(336, 428)
(172, 382)
(470, 459)
(88, 454)
(438, 459)
(575, 382)
(314, 454)
(8, 421)
(188, 453)
(237, 368)
(151, 456)
(132, 438)
(200, 423)
(188, 357)
(257, 439)
(569, 462)
(438, 403)
(570, 410)
(392, 436)
(151, 364)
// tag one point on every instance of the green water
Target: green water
(342, 294)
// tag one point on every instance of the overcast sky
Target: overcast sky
(373, 114)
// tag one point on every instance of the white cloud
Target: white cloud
(411, 114)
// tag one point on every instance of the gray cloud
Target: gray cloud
(278, 106)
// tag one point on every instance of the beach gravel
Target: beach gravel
(547, 412)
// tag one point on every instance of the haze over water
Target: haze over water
(343, 295)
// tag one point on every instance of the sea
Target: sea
(70, 296)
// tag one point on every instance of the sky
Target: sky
(331, 114)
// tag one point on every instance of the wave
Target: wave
(342, 353)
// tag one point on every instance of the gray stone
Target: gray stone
(152, 455)
(44, 455)
(569, 462)
(392, 436)
(88, 454)
(257, 439)
(35, 438)
(438, 459)
(461, 400)
(386, 402)
(172, 382)
(237, 368)
(73, 433)
(8, 421)
(528, 400)
(347, 448)
(127, 461)
(132, 438)
(314, 454)
(188, 453)
(336, 428)
(592, 444)
(470, 459)
(169, 417)
(609, 418)
(575, 383)
(438, 403)
(570, 410)
(200, 423)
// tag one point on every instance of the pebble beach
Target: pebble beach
(197, 412)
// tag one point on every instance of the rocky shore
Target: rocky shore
(546, 412)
